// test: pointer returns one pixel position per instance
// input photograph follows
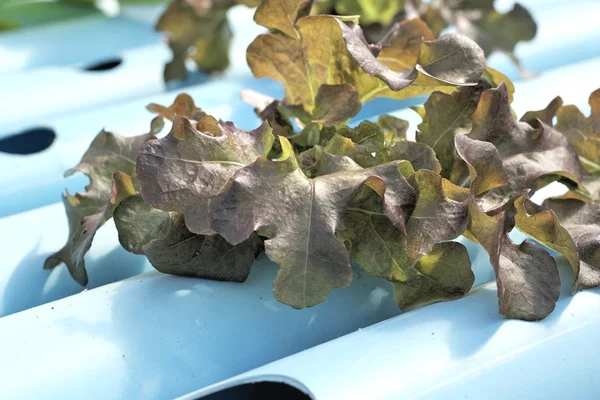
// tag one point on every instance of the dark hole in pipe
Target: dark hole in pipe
(29, 141)
(104, 65)
(259, 391)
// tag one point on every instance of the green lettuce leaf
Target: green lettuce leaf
(371, 11)
(367, 146)
(394, 129)
(380, 249)
(318, 162)
(445, 116)
(443, 274)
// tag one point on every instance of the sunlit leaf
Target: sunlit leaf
(529, 151)
(583, 132)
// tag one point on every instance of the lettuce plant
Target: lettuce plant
(316, 194)
(199, 30)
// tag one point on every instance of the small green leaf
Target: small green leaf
(370, 11)
(368, 146)
(445, 274)
(318, 162)
(448, 115)
(544, 226)
(487, 230)
(394, 129)
(495, 78)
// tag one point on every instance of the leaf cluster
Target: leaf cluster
(199, 30)
(316, 194)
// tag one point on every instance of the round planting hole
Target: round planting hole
(29, 141)
(104, 65)
(259, 391)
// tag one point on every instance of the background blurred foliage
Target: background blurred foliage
(17, 14)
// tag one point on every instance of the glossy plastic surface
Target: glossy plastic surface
(457, 350)
(157, 336)
(61, 85)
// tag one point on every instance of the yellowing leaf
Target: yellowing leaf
(282, 15)
(307, 52)
(583, 133)
(183, 106)
(544, 226)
